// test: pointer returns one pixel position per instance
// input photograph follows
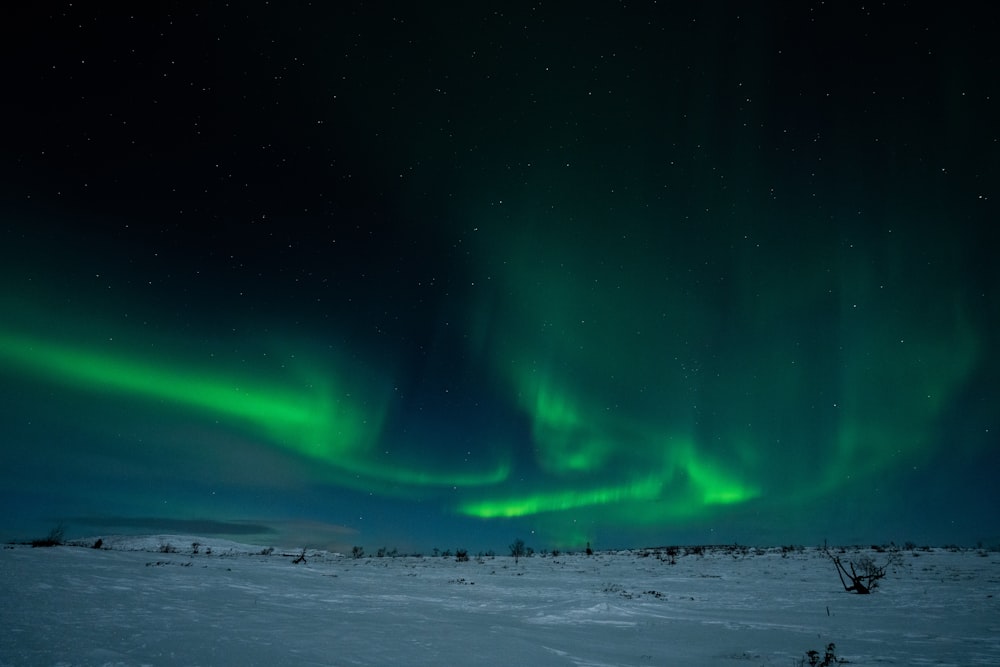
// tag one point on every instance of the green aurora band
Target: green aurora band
(650, 400)
(653, 398)
(318, 420)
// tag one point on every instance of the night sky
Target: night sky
(448, 274)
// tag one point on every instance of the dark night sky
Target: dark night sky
(634, 274)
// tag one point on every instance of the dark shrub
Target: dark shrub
(53, 539)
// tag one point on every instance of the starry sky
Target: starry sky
(448, 274)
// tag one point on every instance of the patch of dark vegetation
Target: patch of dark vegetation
(162, 563)
(55, 538)
(737, 551)
(827, 659)
(618, 589)
(517, 549)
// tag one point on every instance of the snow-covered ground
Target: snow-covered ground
(131, 604)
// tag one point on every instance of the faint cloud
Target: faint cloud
(193, 526)
(314, 534)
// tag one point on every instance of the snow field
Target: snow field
(130, 604)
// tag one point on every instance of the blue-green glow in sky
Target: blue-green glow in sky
(448, 277)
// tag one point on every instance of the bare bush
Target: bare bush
(53, 539)
(517, 549)
(828, 659)
(863, 575)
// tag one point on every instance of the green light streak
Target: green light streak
(668, 371)
(567, 442)
(313, 422)
(316, 420)
(682, 485)
(898, 376)
(561, 501)
(712, 484)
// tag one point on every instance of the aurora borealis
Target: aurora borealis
(444, 276)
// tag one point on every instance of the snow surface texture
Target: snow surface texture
(130, 603)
